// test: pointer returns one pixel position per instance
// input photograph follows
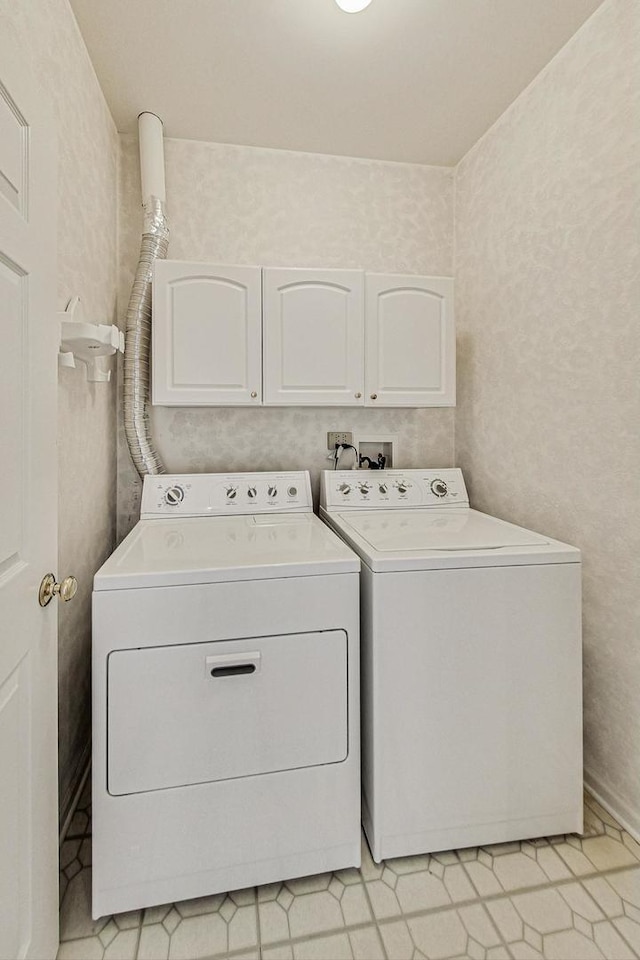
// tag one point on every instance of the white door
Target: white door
(28, 518)
(410, 341)
(313, 333)
(206, 334)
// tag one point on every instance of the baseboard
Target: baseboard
(70, 802)
(619, 809)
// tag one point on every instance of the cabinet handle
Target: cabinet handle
(358, 395)
(374, 396)
(232, 664)
(239, 670)
(253, 394)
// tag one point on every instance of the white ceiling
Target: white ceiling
(416, 80)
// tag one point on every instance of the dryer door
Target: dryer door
(199, 712)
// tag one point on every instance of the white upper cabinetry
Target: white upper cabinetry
(410, 338)
(302, 337)
(207, 346)
(313, 329)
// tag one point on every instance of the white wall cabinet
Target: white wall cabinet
(207, 334)
(410, 341)
(238, 336)
(313, 337)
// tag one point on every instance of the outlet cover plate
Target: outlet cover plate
(336, 436)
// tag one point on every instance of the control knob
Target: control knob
(344, 488)
(439, 488)
(382, 487)
(293, 491)
(251, 492)
(364, 489)
(272, 491)
(232, 493)
(174, 495)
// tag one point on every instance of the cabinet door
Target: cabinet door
(410, 341)
(313, 329)
(206, 334)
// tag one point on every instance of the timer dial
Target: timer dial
(174, 495)
(439, 488)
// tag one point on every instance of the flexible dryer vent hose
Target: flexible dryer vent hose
(155, 241)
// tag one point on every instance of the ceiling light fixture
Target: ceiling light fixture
(353, 6)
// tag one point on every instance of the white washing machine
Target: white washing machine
(225, 693)
(471, 666)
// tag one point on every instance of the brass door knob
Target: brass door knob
(65, 590)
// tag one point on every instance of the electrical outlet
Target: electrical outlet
(334, 437)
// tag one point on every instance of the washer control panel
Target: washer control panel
(352, 489)
(225, 494)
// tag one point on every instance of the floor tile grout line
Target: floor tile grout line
(496, 927)
(139, 937)
(470, 878)
(619, 932)
(318, 935)
(230, 954)
(373, 914)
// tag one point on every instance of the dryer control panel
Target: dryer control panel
(225, 494)
(369, 490)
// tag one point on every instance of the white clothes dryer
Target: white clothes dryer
(225, 693)
(471, 666)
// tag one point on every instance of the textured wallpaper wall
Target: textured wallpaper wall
(548, 345)
(230, 204)
(548, 287)
(46, 33)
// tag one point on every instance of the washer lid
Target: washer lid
(214, 549)
(418, 539)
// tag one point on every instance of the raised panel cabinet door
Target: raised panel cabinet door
(410, 341)
(313, 335)
(206, 334)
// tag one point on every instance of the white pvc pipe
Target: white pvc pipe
(153, 246)
(150, 137)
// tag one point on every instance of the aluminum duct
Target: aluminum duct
(155, 241)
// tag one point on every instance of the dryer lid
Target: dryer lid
(195, 550)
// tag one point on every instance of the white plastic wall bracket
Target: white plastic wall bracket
(66, 360)
(88, 342)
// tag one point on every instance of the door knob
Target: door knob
(65, 590)
(374, 396)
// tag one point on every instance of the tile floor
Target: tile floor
(563, 897)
